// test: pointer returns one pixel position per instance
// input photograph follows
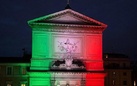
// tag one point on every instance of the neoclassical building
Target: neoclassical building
(66, 50)
(118, 69)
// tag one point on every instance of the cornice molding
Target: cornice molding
(67, 28)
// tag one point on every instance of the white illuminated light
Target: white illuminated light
(134, 83)
(8, 84)
(23, 85)
(113, 82)
(106, 56)
(114, 73)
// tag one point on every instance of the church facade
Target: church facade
(66, 50)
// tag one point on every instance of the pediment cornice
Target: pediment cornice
(68, 28)
(67, 18)
(68, 12)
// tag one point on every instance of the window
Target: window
(113, 82)
(23, 70)
(23, 84)
(134, 83)
(124, 82)
(9, 70)
(114, 65)
(9, 85)
(124, 65)
(124, 73)
(106, 56)
(114, 73)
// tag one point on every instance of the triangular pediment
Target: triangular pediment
(67, 16)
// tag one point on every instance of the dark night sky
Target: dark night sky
(119, 15)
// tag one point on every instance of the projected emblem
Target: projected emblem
(67, 45)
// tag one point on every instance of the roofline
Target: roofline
(64, 11)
